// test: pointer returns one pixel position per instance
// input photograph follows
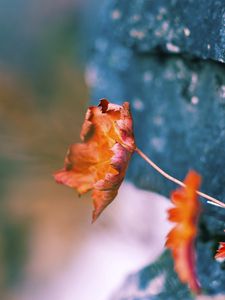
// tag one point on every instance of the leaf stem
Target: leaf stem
(178, 182)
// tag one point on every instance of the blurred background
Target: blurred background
(48, 248)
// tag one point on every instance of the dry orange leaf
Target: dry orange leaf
(99, 163)
(181, 238)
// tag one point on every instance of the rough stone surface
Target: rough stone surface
(195, 27)
(159, 56)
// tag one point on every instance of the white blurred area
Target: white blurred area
(136, 237)
(129, 234)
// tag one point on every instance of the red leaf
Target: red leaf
(221, 251)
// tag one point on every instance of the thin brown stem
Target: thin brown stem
(173, 179)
